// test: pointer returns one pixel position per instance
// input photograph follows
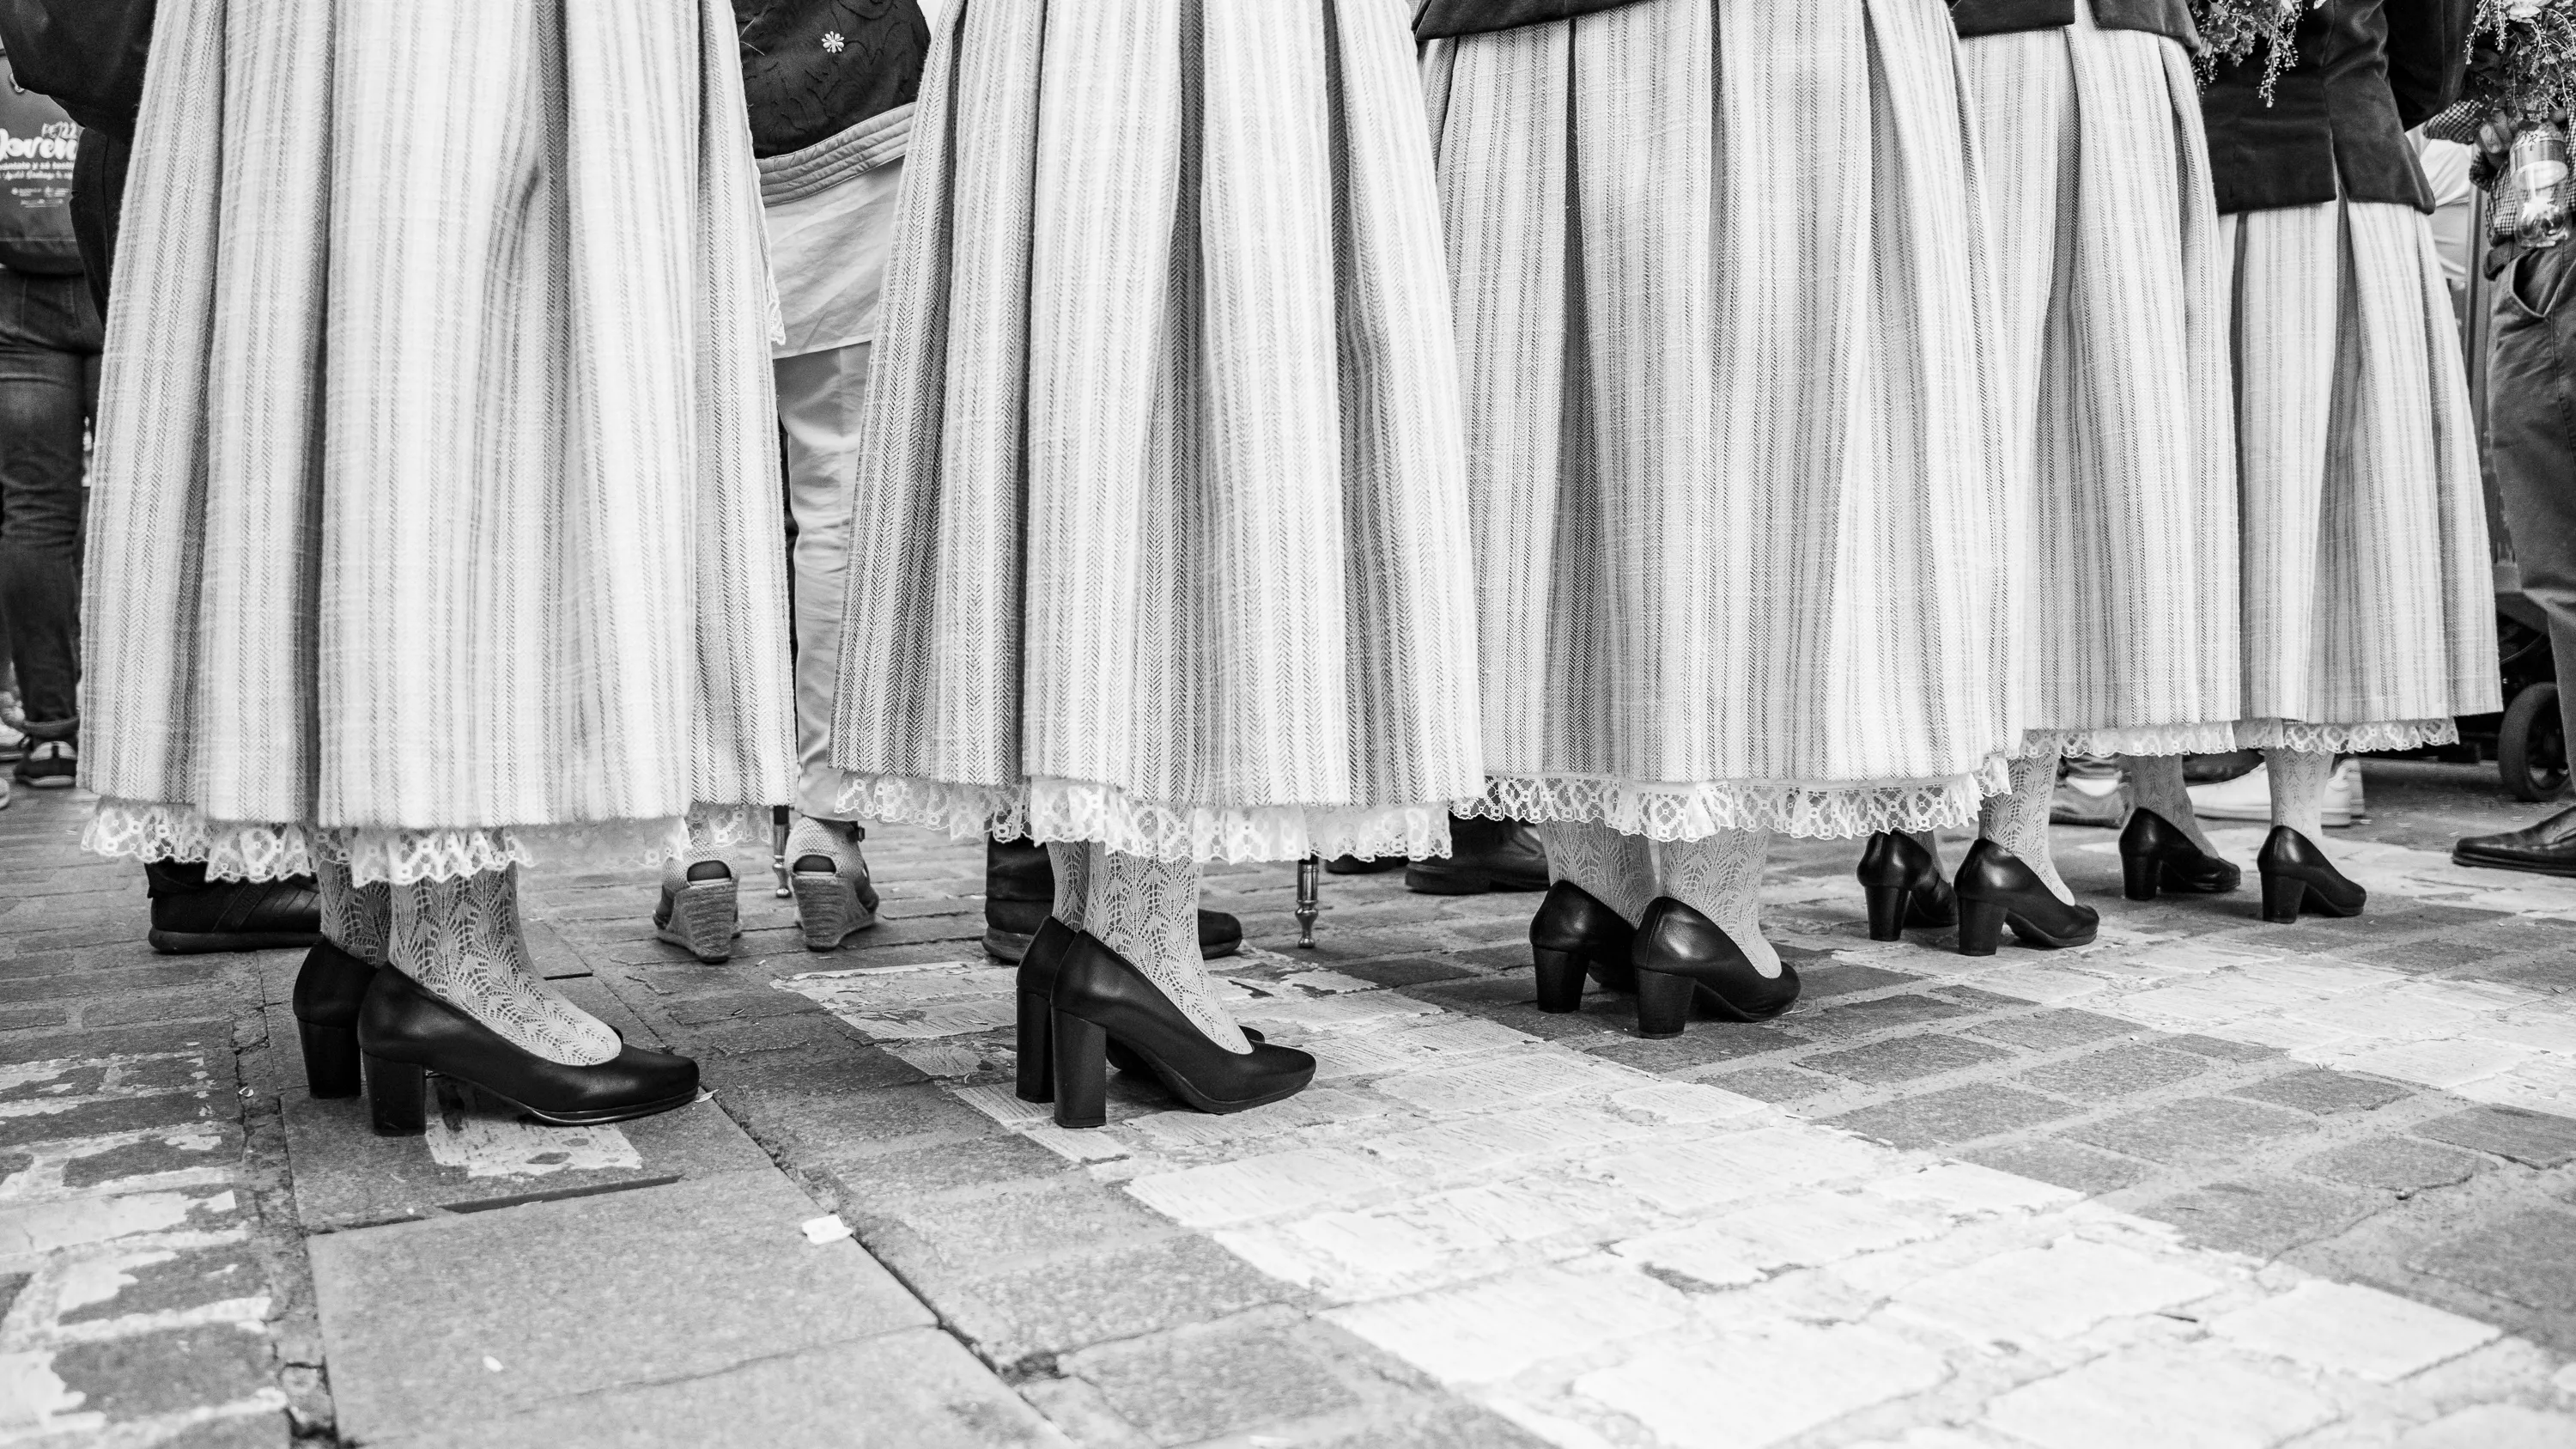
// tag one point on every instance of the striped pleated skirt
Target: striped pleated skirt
(2369, 600)
(1159, 537)
(1735, 443)
(436, 511)
(2113, 291)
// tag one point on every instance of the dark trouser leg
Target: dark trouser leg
(48, 383)
(2531, 426)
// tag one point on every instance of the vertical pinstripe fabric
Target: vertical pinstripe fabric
(435, 496)
(1161, 503)
(1733, 430)
(2369, 597)
(2114, 300)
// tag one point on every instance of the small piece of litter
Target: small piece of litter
(491, 1363)
(827, 1229)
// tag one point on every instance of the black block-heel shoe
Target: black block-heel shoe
(2297, 876)
(406, 1033)
(328, 991)
(1037, 1041)
(1100, 999)
(1574, 933)
(1903, 885)
(2155, 854)
(1681, 955)
(1996, 889)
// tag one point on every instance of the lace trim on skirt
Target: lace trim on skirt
(1662, 811)
(1068, 810)
(271, 850)
(2345, 739)
(2176, 739)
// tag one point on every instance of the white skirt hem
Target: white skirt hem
(273, 850)
(1054, 810)
(1669, 811)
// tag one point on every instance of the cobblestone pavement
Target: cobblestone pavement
(2207, 1182)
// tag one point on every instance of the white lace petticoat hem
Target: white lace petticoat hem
(270, 850)
(2169, 739)
(2345, 739)
(1047, 809)
(1692, 811)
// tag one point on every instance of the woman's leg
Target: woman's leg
(462, 941)
(1720, 877)
(1072, 862)
(1614, 869)
(2156, 782)
(2017, 819)
(357, 919)
(1148, 912)
(2299, 789)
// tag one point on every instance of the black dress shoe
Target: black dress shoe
(1100, 998)
(1573, 933)
(192, 915)
(405, 1033)
(328, 992)
(1484, 855)
(2548, 848)
(1354, 865)
(1036, 986)
(2155, 854)
(1681, 955)
(1997, 889)
(1019, 896)
(2297, 876)
(1903, 885)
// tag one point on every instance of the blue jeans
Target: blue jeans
(49, 345)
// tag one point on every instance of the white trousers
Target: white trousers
(818, 406)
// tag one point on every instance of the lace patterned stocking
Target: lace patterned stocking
(355, 918)
(835, 840)
(1148, 912)
(2299, 789)
(2017, 819)
(2156, 782)
(1072, 862)
(1618, 870)
(1720, 876)
(460, 939)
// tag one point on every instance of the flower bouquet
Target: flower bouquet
(2521, 87)
(2231, 31)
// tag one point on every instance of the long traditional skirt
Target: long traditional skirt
(2369, 594)
(436, 505)
(1734, 424)
(1160, 532)
(2115, 325)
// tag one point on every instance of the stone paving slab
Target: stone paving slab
(913, 1388)
(439, 1324)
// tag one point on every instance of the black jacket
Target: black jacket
(2003, 17)
(87, 55)
(2367, 71)
(812, 69)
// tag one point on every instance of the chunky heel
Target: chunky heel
(1981, 927)
(2282, 897)
(1560, 979)
(705, 917)
(2140, 877)
(330, 1059)
(1037, 1050)
(1886, 912)
(1081, 1053)
(826, 908)
(1663, 1002)
(396, 1094)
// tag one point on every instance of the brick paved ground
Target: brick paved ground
(2206, 1182)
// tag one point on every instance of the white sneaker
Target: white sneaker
(2249, 797)
(13, 740)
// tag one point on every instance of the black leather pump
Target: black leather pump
(2298, 877)
(1572, 933)
(1997, 889)
(2155, 854)
(1903, 885)
(405, 1033)
(1100, 998)
(1681, 955)
(1037, 1041)
(328, 992)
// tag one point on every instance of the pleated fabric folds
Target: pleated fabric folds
(435, 510)
(1727, 324)
(1159, 535)
(2369, 593)
(2113, 290)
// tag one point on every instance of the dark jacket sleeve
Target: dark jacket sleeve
(2428, 55)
